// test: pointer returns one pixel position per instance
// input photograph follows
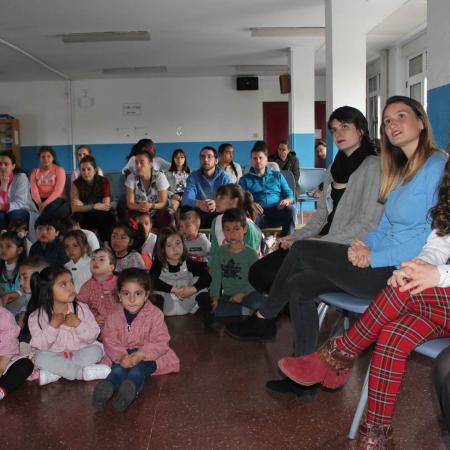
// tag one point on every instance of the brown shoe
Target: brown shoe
(375, 437)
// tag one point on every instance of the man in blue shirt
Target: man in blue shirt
(272, 194)
(201, 186)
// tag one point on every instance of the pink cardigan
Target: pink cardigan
(48, 184)
(99, 295)
(148, 333)
(64, 338)
(9, 330)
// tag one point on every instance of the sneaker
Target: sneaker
(253, 329)
(47, 377)
(287, 386)
(2, 393)
(125, 396)
(103, 391)
(96, 372)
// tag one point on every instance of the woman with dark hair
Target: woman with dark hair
(232, 168)
(144, 145)
(81, 152)
(48, 184)
(15, 198)
(91, 199)
(147, 190)
(177, 176)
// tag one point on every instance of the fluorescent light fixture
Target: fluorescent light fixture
(145, 70)
(262, 68)
(287, 32)
(105, 36)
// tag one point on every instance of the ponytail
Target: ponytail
(249, 206)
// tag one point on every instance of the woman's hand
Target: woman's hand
(101, 207)
(286, 241)
(421, 276)
(4, 180)
(359, 254)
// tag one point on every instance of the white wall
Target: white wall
(206, 108)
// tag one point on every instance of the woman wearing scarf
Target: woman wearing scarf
(348, 209)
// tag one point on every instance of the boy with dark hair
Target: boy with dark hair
(229, 269)
(48, 244)
(197, 244)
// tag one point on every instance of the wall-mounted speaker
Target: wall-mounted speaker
(285, 83)
(247, 83)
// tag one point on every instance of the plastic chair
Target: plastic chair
(358, 305)
(309, 179)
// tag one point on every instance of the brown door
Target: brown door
(275, 123)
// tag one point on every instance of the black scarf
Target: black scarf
(343, 166)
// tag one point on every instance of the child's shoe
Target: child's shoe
(96, 372)
(3, 393)
(328, 366)
(47, 377)
(125, 396)
(103, 391)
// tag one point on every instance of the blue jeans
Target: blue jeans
(137, 374)
(17, 214)
(274, 217)
(253, 301)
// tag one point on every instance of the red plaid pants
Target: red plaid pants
(398, 322)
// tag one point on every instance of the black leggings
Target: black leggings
(442, 384)
(311, 268)
(16, 375)
(262, 273)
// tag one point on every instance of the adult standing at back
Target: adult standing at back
(202, 184)
(149, 146)
(287, 160)
(48, 183)
(232, 168)
(271, 192)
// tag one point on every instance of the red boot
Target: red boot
(375, 437)
(328, 366)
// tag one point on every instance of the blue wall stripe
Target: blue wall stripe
(112, 157)
(303, 145)
(439, 114)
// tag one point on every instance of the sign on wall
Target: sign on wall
(132, 109)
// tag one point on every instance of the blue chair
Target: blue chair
(290, 181)
(309, 179)
(357, 305)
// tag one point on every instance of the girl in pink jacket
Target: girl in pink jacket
(13, 369)
(136, 342)
(63, 331)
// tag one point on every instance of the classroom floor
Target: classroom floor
(217, 401)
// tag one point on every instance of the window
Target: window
(373, 105)
(416, 85)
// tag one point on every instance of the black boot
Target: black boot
(287, 386)
(253, 329)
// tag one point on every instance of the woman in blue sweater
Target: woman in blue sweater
(412, 168)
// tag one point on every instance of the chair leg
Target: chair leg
(360, 408)
(301, 213)
(322, 311)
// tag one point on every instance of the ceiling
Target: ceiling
(190, 38)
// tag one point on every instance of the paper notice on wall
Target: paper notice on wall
(318, 133)
(124, 132)
(132, 109)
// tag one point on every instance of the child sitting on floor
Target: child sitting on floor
(63, 331)
(21, 228)
(76, 248)
(197, 244)
(229, 269)
(48, 244)
(136, 342)
(180, 281)
(144, 219)
(99, 292)
(13, 369)
(125, 238)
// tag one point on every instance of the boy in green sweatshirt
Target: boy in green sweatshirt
(229, 269)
